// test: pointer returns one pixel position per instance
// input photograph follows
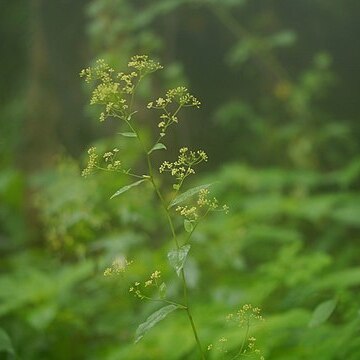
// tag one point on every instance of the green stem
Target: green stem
(195, 226)
(182, 270)
(190, 316)
(171, 224)
(175, 113)
(243, 342)
(133, 93)
(166, 301)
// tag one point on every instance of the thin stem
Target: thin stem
(190, 316)
(243, 342)
(172, 228)
(119, 171)
(133, 93)
(167, 113)
(166, 301)
(105, 169)
(195, 226)
(182, 270)
(133, 175)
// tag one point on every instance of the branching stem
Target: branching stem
(173, 232)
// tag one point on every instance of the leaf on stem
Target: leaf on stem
(152, 320)
(157, 146)
(187, 194)
(178, 257)
(127, 187)
(188, 225)
(162, 290)
(128, 134)
(322, 312)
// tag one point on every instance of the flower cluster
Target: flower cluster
(220, 345)
(127, 81)
(183, 166)
(108, 92)
(202, 207)
(243, 318)
(101, 71)
(179, 96)
(144, 65)
(135, 289)
(113, 89)
(182, 97)
(210, 204)
(92, 162)
(118, 266)
(251, 349)
(109, 159)
(188, 212)
(246, 315)
(154, 280)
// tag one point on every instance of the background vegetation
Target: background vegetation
(279, 84)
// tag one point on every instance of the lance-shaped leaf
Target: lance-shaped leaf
(178, 257)
(157, 146)
(322, 312)
(187, 194)
(128, 134)
(127, 187)
(152, 320)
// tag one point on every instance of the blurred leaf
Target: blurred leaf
(283, 38)
(243, 50)
(322, 312)
(187, 194)
(32, 286)
(152, 320)
(178, 257)
(349, 214)
(128, 134)
(41, 317)
(162, 290)
(127, 187)
(188, 225)
(158, 146)
(5, 342)
(341, 279)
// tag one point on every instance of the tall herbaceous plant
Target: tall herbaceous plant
(115, 92)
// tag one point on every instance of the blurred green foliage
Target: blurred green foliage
(279, 89)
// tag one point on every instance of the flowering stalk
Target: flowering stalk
(115, 92)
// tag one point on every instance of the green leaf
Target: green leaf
(127, 187)
(178, 257)
(162, 291)
(152, 320)
(187, 194)
(322, 312)
(5, 342)
(157, 146)
(42, 316)
(128, 134)
(283, 38)
(188, 225)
